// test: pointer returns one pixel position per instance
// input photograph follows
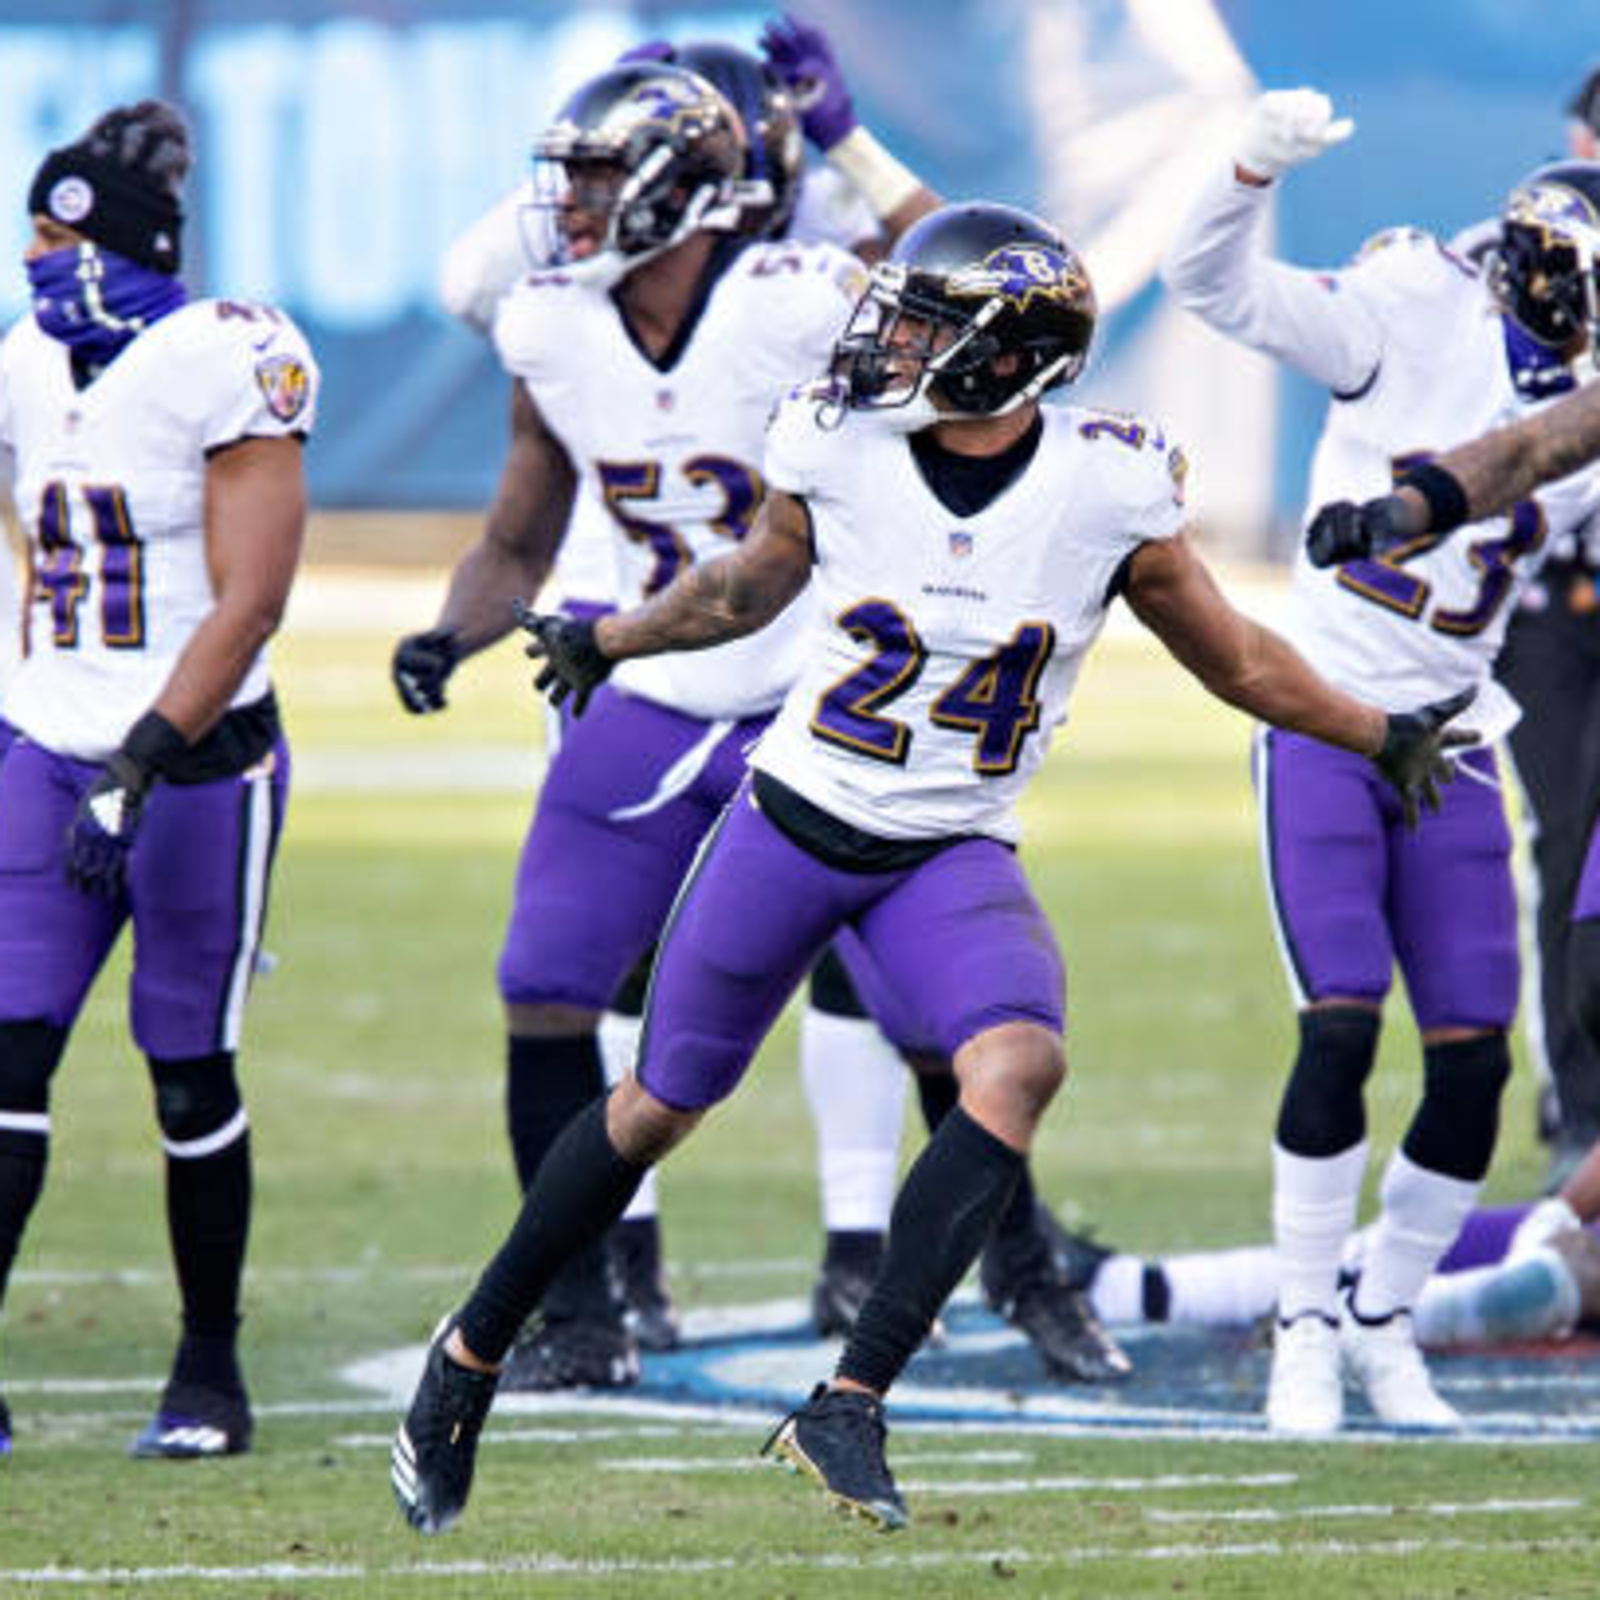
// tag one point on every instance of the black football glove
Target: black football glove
(573, 663)
(101, 833)
(1415, 755)
(422, 666)
(1344, 531)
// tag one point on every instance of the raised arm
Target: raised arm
(1249, 666)
(707, 604)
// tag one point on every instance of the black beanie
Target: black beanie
(116, 185)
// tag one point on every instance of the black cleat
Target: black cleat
(1023, 1281)
(436, 1447)
(836, 1439)
(5, 1428)
(195, 1423)
(850, 1266)
(1078, 1256)
(634, 1249)
(572, 1353)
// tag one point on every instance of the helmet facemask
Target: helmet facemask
(651, 165)
(1546, 271)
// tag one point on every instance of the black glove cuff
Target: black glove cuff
(153, 745)
(1447, 500)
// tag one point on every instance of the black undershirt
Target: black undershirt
(965, 485)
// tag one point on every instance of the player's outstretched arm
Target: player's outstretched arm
(1249, 666)
(1479, 479)
(707, 604)
(522, 532)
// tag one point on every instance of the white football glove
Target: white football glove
(1287, 127)
(1547, 1219)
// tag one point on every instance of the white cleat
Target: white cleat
(1384, 1358)
(1305, 1394)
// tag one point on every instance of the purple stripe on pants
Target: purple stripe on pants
(947, 950)
(200, 863)
(1355, 891)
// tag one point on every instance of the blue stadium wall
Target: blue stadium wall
(341, 147)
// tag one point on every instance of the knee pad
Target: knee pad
(197, 1103)
(30, 1052)
(832, 992)
(1455, 1127)
(1583, 977)
(1323, 1112)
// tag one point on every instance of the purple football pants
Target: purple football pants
(959, 943)
(623, 809)
(1354, 891)
(196, 897)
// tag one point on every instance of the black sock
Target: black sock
(23, 1159)
(548, 1082)
(208, 1221)
(945, 1210)
(853, 1249)
(581, 1188)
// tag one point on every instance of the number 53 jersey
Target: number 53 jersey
(110, 485)
(943, 649)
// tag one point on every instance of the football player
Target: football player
(854, 1084)
(1418, 352)
(941, 552)
(664, 439)
(158, 473)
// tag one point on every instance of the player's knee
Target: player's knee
(1583, 976)
(1323, 1110)
(198, 1105)
(29, 1054)
(1017, 1069)
(1455, 1127)
(642, 1128)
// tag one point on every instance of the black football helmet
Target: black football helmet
(777, 149)
(641, 157)
(1546, 270)
(979, 309)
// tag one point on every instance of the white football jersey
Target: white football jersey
(1429, 618)
(674, 448)
(486, 261)
(110, 486)
(943, 650)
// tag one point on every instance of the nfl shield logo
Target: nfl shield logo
(960, 542)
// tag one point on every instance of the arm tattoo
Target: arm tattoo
(1505, 466)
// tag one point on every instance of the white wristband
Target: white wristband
(884, 183)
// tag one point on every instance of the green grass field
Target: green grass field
(373, 1071)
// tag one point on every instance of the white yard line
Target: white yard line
(568, 1568)
(1480, 1508)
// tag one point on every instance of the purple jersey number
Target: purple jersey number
(1384, 580)
(60, 571)
(995, 699)
(625, 484)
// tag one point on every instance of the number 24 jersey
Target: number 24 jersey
(943, 649)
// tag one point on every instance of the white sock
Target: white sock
(1533, 1297)
(1224, 1287)
(855, 1084)
(619, 1048)
(1314, 1201)
(1421, 1216)
(1117, 1293)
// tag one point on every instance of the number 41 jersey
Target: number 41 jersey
(943, 649)
(110, 484)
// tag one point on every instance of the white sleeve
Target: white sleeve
(254, 388)
(1215, 270)
(792, 442)
(484, 262)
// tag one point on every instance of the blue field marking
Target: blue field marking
(1188, 1382)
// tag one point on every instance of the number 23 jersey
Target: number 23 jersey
(943, 649)
(110, 485)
